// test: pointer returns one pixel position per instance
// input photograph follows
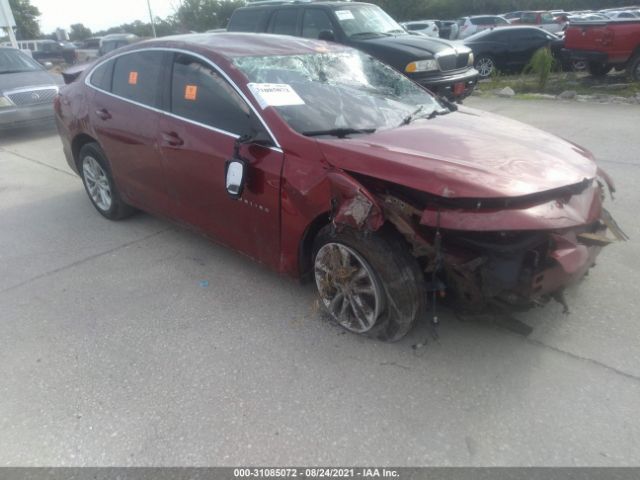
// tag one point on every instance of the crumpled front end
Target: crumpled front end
(517, 252)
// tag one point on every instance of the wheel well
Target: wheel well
(306, 244)
(79, 142)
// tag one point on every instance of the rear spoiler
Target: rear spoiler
(73, 72)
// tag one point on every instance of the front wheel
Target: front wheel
(369, 282)
(485, 65)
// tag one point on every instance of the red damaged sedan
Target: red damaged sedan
(319, 161)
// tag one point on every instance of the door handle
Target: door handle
(103, 114)
(172, 138)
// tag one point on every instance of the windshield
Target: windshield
(13, 61)
(366, 20)
(336, 90)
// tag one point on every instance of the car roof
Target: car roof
(301, 4)
(235, 44)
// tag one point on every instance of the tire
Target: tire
(599, 69)
(372, 273)
(578, 66)
(99, 185)
(633, 68)
(485, 65)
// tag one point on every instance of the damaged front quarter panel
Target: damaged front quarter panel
(522, 254)
(352, 204)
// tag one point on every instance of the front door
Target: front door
(196, 139)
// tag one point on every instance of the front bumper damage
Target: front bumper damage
(509, 253)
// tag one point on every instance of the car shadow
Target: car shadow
(33, 131)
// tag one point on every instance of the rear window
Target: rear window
(417, 26)
(247, 20)
(101, 76)
(136, 77)
(482, 21)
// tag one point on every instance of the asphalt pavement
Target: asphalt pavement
(142, 343)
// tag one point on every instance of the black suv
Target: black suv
(441, 66)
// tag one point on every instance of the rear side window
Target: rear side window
(248, 20)
(136, 76)
(200, 94)
(101, 76)
(284, 22)
(315, 21)
(416, 26)
(529, 18)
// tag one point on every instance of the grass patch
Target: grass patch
(558, 82)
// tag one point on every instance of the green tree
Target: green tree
(203, 15)
(79, 32)
(26, 16)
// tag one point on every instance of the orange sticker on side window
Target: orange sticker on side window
(190, 92)
(133, 78)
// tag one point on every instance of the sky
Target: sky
(98, 14)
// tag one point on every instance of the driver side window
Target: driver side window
(315, 21)
(199, 93)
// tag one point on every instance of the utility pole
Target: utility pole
(7, 20)
(153, 25)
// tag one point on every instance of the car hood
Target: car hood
(38, 78)
(465, 154)
(416, 46)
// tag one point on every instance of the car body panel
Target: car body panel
(472, 154)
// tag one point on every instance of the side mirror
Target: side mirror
(235, 172)
(327, 36)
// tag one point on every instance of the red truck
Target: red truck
(605, 45)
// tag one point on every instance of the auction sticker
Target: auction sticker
(275, 95)
(344, 15)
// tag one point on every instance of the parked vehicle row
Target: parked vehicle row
(443, 67)
(48, 50)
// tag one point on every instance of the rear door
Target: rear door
(125, 114)
(197, 136)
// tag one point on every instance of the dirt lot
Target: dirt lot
(114, 351)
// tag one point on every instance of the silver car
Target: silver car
(27, 90)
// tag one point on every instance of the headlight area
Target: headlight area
(471, 60)
(427, 65)
(5, 102)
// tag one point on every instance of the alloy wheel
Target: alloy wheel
(348, 287)
(485, 66)
(97, 183)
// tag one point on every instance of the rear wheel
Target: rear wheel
(369, 282)
(99, 184)
(599, 69)
(485, 66)
(633, 68)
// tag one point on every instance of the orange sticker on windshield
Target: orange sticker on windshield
(190, 92)
(133, 78)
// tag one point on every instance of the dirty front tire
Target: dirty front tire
(599, 69)
(633, 68)
(394, 274)
(99, 185)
